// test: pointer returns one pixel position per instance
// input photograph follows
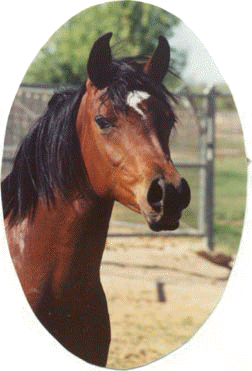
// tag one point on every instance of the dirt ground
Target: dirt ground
(144, 328)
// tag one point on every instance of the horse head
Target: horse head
(124, 124)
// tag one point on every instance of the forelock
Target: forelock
(128, 76)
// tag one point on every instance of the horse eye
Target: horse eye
(103, 123)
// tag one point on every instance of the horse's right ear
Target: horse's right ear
(157, 66)
(99, 66)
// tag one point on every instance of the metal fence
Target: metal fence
(192, 147)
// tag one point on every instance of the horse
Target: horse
(105, 141)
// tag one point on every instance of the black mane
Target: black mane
(49, 159)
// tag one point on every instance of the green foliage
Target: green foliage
(135, 26)
(223, 103)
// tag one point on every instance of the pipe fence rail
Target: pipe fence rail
(195, 154)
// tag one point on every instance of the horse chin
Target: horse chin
(157, 227)
(159, 222)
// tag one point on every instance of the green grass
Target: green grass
(230, 199)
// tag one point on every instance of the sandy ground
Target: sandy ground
(143, 328)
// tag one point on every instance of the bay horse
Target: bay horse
(106, 141)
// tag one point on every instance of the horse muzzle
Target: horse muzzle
(166, 203)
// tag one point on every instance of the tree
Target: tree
(135, 26)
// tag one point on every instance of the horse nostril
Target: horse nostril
(185, 193)
(155, 194)
(162, 194)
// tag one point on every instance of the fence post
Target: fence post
(210, 152)
(202, 171)
(160, 291)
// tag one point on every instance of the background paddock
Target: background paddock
(143, 328)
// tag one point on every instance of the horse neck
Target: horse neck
(87, 237)
(62, 245)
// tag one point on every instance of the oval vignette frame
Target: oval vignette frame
(220, 341)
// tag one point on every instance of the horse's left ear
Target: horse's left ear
(157, 66)
(99, 66)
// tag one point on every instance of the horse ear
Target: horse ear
(157, 66)
(100, 62)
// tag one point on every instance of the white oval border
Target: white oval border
(221, 343)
